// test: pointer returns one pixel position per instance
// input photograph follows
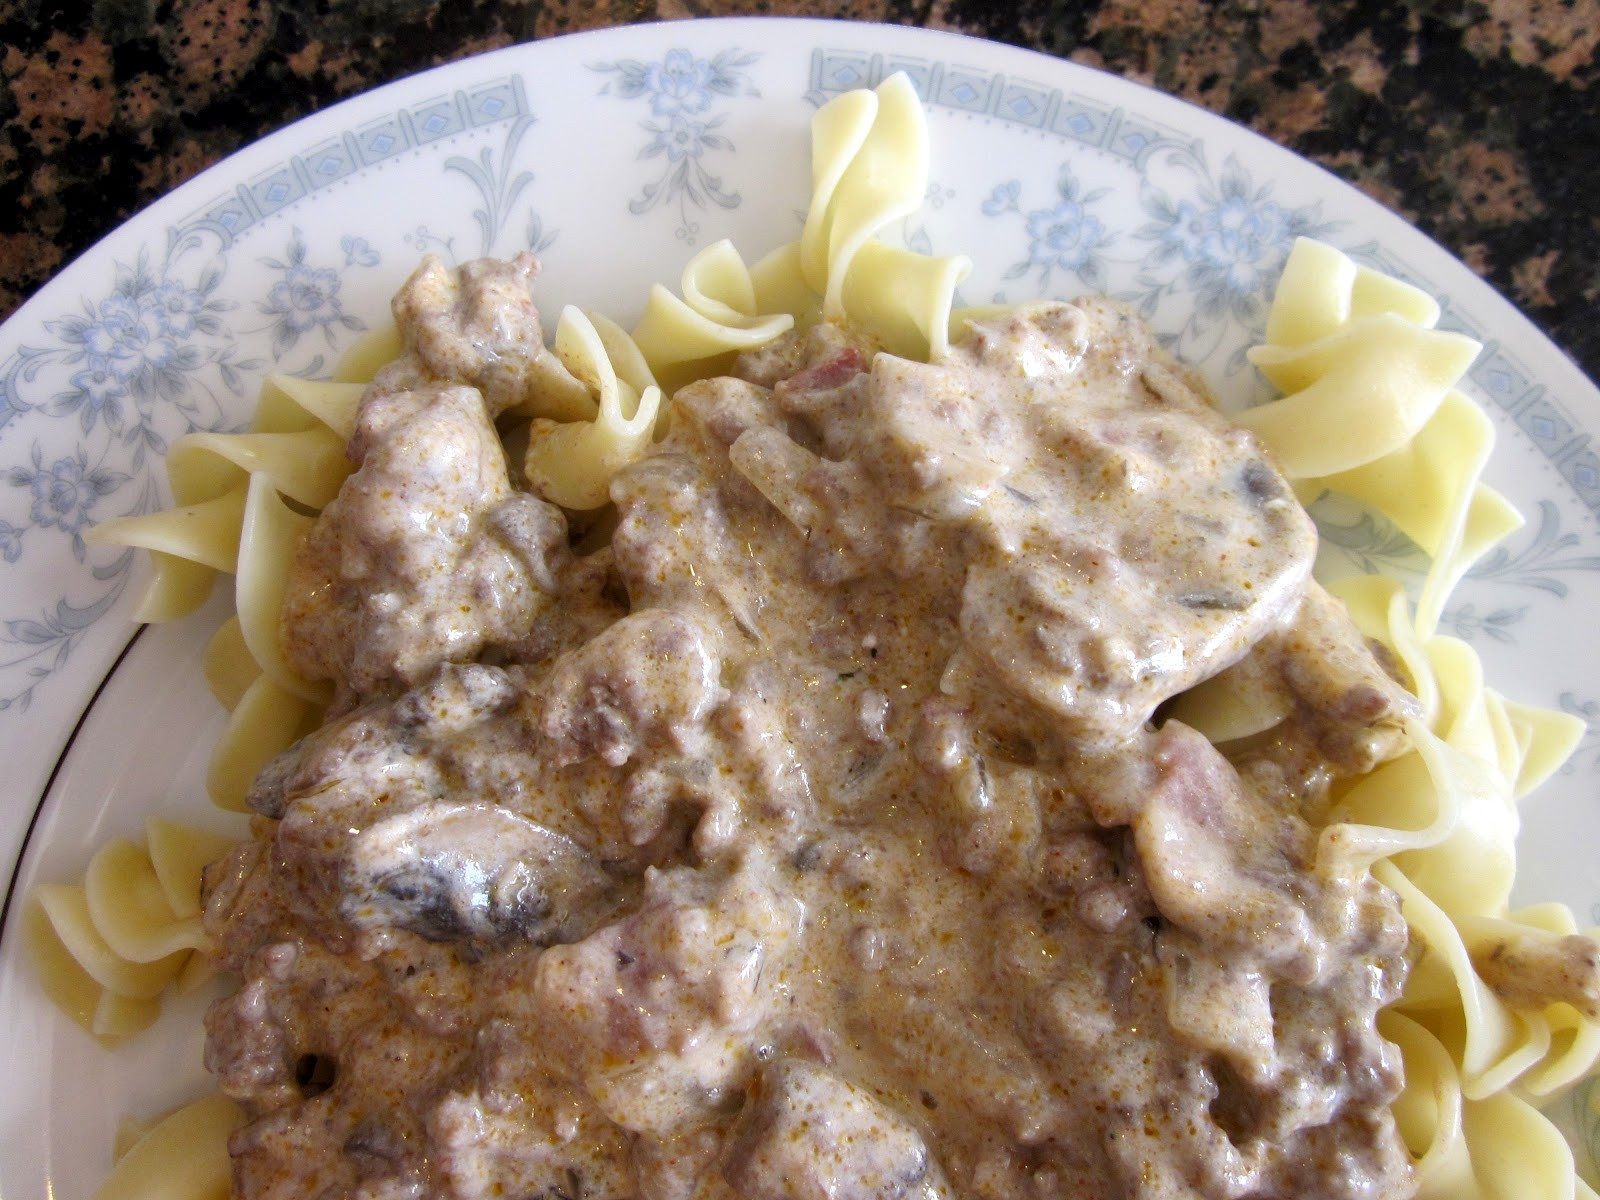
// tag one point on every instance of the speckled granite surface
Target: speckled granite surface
(1478, 120)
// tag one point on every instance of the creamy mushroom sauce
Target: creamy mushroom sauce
(821, 836)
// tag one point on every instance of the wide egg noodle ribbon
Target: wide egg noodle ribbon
(1409, 804)
(1321, 290)
(1429, 489)
(1463, 1046)
(1382, 612)
(265, 721)
(179, 854)
(886, 179)
(869, 167)
(1352, 346)
(904, 298)
(71, 962)
(307, 467)
(271, 531)
(228, 666)
(104, 951)
(1428, 1110)
(779, 281)
(553, 393)
(696, 335)
(1356, 394)
(1446, 994)
(1572, 1039)
(1355, 354)
(130, 908)
(264, 718)
(570, 463)
(184, 1156)
(248, 496)
(1545, 740)
(188, 546)
(1236, 703)
(1514, 747)
(1517, 1154)
(369, 353)
(1466, 858)
(297, 439)
(1497, 1148)
(289, 404)
(839, 131)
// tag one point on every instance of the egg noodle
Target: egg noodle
(1368, 409)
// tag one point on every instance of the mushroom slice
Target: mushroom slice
(456, 872)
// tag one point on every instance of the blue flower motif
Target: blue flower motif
(1241, 247)
(679, 139)
(181, 307)
(1065, 236)
(679, 84)
(1003, 198)
(358, 252)
(97, 393)
(129, 357)
(306, 298)
(681, 88)
(63, 494)
(1233, 239)
(130, 338)
(10, 541)
(1185, 232)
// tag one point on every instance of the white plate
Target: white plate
(616, 155)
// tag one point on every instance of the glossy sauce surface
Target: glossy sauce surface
(821, 836)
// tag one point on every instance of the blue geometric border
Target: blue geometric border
(334, 159)
(1000, 97)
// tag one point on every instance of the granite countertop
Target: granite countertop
(1475, 119)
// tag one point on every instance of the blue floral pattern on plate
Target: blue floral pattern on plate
(304, 299)
(156, 356)
(1064, 236)
(681, 90)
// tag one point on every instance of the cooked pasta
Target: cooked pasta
(1369, 411)
(296, 440)
(183, 1156)
(1463, 1039)
(869, 167)
(694, 335)
(571, 463)
(107, 949)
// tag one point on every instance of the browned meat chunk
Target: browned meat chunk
(1216, 860)
(661, 1011)
(380, 749)
(651, 679)
(478, 325)
(425, 556)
